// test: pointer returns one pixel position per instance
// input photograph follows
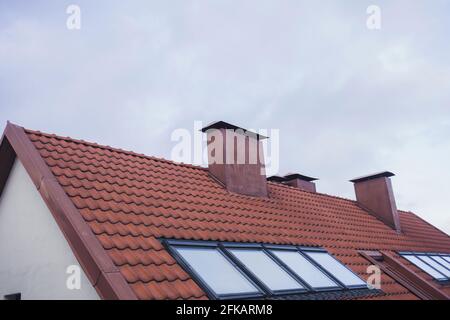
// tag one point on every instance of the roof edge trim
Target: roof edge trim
(99, 267)
(7, 158)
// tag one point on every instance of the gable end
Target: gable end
(98, 266)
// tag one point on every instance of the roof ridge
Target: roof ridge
(313, 192)
(114, 149)
(161, 159)
(426, 222)
(100, 269)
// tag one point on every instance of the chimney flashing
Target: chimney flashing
(218, 125)
(291, 176)
(276, 178)
(383, 174)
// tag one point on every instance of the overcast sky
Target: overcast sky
(348, 100)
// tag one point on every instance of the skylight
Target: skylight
(439, 267)
(234, 270)
(305, 269)
(266, 269)
(436, 265)
(337, 269)
(443, 261)
(219, 273)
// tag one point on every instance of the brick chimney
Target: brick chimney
(235, 158)
(374, 192)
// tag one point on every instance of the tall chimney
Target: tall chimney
(235, 158)
(374, 192)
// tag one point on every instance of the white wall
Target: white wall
(34, 255)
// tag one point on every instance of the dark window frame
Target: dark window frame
(247, 270)
(171, 246)
(440, 262)
(444, 279)
(343, 285)
(417, 255)
(299, 250)
(263, 290)
(431, 257)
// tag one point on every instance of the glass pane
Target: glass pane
(267, 270)
(304, 269)
(436, 265)
(422, 265)
(442, 261)
(337, 269)
(446, 259)
(216, 270)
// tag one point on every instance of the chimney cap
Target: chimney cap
(291, 176)
(276, 178)
(385, 174)
(226, 125)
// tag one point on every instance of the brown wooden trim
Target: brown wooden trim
(98, 266)
(114, 287)
(394, 276)
(404, 276)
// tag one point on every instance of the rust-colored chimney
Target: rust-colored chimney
(374, 192)
(235, 158)
(300, 181)
(296, 180)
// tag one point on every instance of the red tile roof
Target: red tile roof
(129, 200)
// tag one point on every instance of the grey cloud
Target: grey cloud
(348, 101)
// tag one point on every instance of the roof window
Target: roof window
(436, 265)
(238, 270)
